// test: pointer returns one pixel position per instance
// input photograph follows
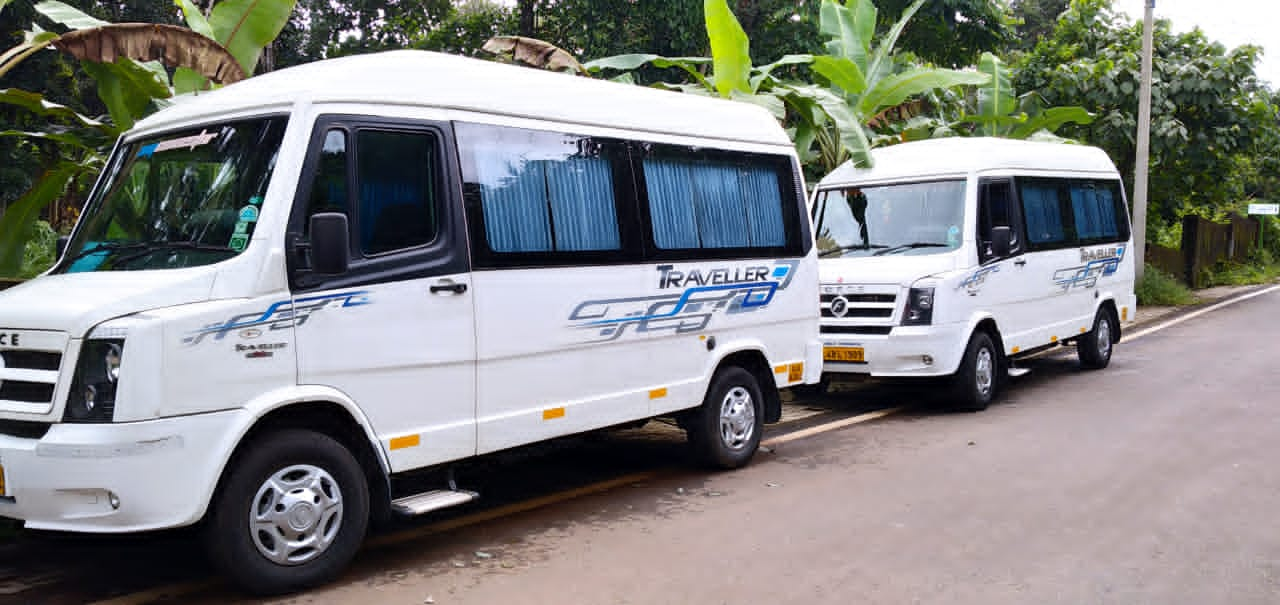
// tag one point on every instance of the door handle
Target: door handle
(455, 288)
(1020, 262)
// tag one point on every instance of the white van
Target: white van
(955, 257)
(286, 294)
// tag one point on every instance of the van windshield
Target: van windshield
(905, 219)
(183, 199)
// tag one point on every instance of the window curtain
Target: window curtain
(1043, 216)
(764, 207)
(582, 207)
(514, 194)
(1094, 211)
(671, 204)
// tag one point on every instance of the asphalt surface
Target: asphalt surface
(1151, 481)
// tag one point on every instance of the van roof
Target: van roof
(413, 77)
(962, 155)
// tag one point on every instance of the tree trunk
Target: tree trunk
(526, 17)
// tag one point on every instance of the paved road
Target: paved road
(1152, 481)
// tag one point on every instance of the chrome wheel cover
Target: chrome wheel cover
(296, 515)
(737, 418)
(984, 371)
(1103, 337)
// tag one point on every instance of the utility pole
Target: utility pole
(1144, 144)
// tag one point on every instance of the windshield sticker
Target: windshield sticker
(282, 315)
(255, 200)
(249, 214)
(720, 290)
(190, 143)
(242, 227)
(239, 242)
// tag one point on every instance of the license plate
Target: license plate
(845, 354)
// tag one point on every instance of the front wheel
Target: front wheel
(725, 431)
(1094, 348)
(291, 513)
(976, 381)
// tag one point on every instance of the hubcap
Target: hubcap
(984, 371)
(296, 514)
(1104, 337)
(737, 418)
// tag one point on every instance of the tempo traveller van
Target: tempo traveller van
(286, 294)
(956, 257)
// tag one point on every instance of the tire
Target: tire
(975, 384)
(725, 431)
(1094, 348)
(307, 475)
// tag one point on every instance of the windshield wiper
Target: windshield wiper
(911, 246)
(851, 247)
(105, 247)
(152, 247)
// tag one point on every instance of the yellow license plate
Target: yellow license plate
(845, 354)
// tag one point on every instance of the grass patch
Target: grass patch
(1261, 268)
(1161, 289)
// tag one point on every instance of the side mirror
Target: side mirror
(1001, 241)
(61, 246)
(330, 243)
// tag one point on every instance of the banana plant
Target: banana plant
(128, 63)
(1001, 112)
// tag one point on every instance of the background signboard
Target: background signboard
(1264, 208)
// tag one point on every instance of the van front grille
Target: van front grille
(31, 360)
(26, 392)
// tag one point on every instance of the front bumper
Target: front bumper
(115, 478)
(903, 352)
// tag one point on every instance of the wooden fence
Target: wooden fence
(1205, 244)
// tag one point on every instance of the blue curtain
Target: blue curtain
(1094, 212)
(514, 194)
(671, 204)
(582, 205)
(764, 207)
(1043, 215)
(722, 218)
(713, 205)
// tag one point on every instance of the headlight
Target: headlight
(93, 388)
(919, 311)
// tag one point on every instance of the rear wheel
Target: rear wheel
(975, 383)
(1094, 348)
(725, 431)
(291, 513)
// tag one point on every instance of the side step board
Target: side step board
(426, 502)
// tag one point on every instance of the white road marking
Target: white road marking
(1194, 314)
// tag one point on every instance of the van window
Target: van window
(397, 195)
(907, 218)
(707, 204)
(541, 191)
(996, 209)
(1098, 211)
(1044, 212)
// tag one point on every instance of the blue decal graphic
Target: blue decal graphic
(1097, 263)
(280, 315)
(727, 291)
(973, 283)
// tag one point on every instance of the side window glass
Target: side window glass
(329, 189)
(398, 173)
(995, 209)
(1042, 212)
(1094, 208)
(706, 204)
(541, 191)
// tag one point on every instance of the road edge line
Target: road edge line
(1198, 312)
(830, 426)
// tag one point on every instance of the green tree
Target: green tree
(1208, 108)
(952, 33)
(1034, 20)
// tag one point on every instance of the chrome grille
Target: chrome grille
(29, 373)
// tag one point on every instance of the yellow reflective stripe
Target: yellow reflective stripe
(399, 443)
(658, 393)
(553, 413)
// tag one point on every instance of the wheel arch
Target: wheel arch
(753, 359)
(324, 411)
(1108, 303)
